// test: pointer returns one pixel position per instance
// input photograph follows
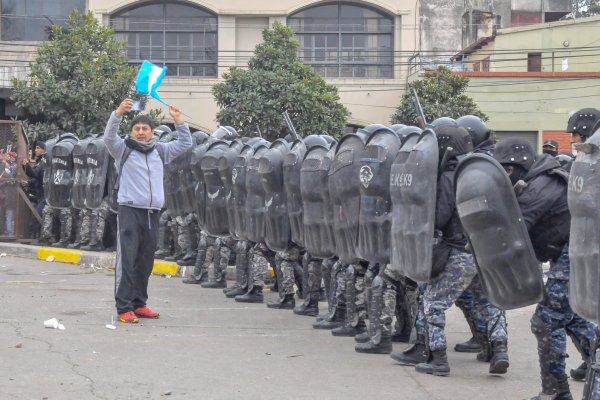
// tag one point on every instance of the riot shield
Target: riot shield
(61, 180)
(199, 189)
(185, 192)
(97, 162)
(170, 185)
(491, 218)
(318, 210)
(215, 208)
(413, 185)
(255, 198)
(584, 204)
(277, 223)
(80, 173)
(344, 188)
(48, 168)
(225, 168)
(374, 222)
(112, 176)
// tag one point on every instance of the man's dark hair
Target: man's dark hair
(143, 119)
(40, 144)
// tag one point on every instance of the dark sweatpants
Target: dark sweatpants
(137, 231)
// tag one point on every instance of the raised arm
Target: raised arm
(171, 150)
(114, 143)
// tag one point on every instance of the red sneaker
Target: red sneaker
(128, 318)
(145, 312)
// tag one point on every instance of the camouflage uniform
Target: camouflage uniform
(242, 250)
(186, 239)
(288, 261)
(206, 249)
(467, 305)
(97, 218)
(358, 277)
(82, 228)
(443, 290)
(222, 252)
(316, 269)
(553, 320)
(165, 236)
(49, 214)
(260, 256)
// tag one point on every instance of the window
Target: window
(31, 19)
(534, 62)
(182, 37)
(342, 40)
(485, 64)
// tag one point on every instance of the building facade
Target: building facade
(529, 79)
(362, 47)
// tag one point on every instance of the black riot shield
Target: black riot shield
(111, 177)
(199, 189)
(316, 200)
(490, 215)
(215, 208)
(185, 192)
(171, 185)
(239, 193)
(80, 173)
(48, 165)
(413, 185)
(584, 204)
(375, 220)
(277, 223)
(225, 167)
(255, 198)
(61, 180)
(344, 188)
(97, 159)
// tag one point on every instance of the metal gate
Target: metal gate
(16, 210)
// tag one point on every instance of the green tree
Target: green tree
(277, 81)
(583, 8)
(79, 76)
(441, 94)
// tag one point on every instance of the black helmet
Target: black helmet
(371, 129)
(200, 136)
(452, 139)
(225, 133)
(584, 121)
(476, 127)
(162, 130)
(516, 151)
(315, 140)
(440, 121)
(563, 159)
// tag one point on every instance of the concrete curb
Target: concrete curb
(101, 259)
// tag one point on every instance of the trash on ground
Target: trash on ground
(18, 345)
(110, 326)
(50, 258)
(54, 323)
(2, 254)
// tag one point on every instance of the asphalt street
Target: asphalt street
(206, 346)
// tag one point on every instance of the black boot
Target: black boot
(499, 361)
(174, 257)
(230, 288)
(560, 392)
(363, 337)
(196, 277)
(310, 307)
(216, 284)
(579, 373)
(415, 354)
(349, 330)
(470, 346)
(236, 292)
(188, 259)
(287, 303)
(332, 321)
(253, 296)
(436, 365)
(401, 337)
(381, 345)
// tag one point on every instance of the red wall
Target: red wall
(563, 138)
(521, 18)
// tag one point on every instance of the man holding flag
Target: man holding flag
(139, 160)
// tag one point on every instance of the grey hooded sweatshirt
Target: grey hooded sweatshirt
(141, 184)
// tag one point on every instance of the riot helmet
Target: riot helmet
(161, 131)
(564, 159)
(516, 153)
(476, 127)
(440, 121)
(368, 130)
(584, 122)
(225, 133)
(315, 140)
(200, 137)
(453, 140)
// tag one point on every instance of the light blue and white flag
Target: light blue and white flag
(149, 79)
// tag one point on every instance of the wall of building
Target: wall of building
(240, 25)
